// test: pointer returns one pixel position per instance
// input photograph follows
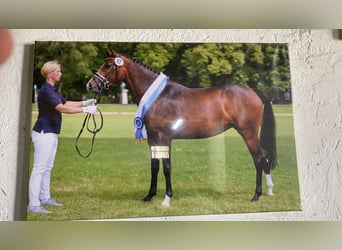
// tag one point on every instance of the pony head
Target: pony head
(108, 73)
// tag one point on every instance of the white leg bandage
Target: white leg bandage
(269, 184)
(159, 152)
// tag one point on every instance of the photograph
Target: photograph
(128, 130)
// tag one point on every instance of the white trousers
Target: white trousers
(45, 148)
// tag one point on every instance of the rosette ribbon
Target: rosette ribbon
(146, 102)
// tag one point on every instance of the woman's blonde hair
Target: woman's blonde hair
(49, 67)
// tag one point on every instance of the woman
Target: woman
(45, 135)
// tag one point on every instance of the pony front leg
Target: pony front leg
(167, 174)
(154, 179)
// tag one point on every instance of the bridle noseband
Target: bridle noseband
(104, 83)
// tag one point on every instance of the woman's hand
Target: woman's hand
(89, 102)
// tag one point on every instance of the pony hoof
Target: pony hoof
(255, 198)
(147, 198)
(270, 191)
(166, 202)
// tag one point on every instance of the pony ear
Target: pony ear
(111, 52)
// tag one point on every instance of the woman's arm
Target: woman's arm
(70, 107)
(75, 107)
(74, 104)
(84, 103)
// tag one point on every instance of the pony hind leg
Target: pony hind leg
(258, 156)
(262, 164)
(268, 178)
(266, 166)
(269, 184)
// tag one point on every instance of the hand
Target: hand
(89, 102)
(90, 109)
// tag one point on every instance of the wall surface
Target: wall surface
(316, 72)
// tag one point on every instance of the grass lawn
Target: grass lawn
(210, 176)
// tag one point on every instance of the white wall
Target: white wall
(316, 71)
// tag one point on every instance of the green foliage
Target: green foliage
(212, 64)
(277, 67)
(156, 56)
(262, 66)
(78, 62)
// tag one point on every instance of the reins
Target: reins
(103, 84)
(94, 130)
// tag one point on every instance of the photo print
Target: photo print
(179, 129)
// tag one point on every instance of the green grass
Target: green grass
(210, 176)
(281, 109)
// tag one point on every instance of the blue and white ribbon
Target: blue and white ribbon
(146, 102)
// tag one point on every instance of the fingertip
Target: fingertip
(6, 45)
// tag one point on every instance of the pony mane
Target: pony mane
(112, 53)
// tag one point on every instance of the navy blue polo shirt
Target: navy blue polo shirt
(49, 119)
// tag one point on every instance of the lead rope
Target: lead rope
(93, 130)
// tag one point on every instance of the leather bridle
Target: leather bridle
(102, 82)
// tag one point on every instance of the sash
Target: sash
(146, 102)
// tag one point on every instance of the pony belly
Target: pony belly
(195, 133)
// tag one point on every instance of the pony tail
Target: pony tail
(268, 135)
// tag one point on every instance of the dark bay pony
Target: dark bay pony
(179, 112)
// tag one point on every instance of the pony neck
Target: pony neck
(139, 80)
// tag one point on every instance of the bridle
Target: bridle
(104, 83)
(101, 83)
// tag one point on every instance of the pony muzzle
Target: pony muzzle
(97, 83)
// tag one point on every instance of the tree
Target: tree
(78, 62)
(277, 73)
(211, 64)
(156, 55)
(261, 66)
